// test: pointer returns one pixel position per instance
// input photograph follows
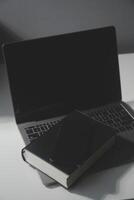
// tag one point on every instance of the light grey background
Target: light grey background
(25, 19)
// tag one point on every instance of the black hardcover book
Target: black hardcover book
(69, 148)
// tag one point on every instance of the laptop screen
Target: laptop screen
(77, 70)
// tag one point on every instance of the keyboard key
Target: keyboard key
(33, 136)
(29, 131)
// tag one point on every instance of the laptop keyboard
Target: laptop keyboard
(115, 116)
(34, 132)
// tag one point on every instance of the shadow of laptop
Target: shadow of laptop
(6, 110)
(7, 36)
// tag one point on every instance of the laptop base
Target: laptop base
(121, 153)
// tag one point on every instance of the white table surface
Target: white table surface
(18, 181)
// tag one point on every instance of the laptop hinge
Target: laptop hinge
(41, 114)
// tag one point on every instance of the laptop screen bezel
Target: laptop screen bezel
(20, 116)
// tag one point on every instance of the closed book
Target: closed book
(69, 148)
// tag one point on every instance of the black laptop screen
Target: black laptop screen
(77, 70)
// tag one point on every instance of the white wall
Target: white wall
(37, 18)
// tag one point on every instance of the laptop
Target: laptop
(50, 77)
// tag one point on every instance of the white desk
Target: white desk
(20, 182)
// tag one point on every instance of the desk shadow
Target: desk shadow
(6, 110)
(92, 185)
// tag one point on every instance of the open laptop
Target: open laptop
(49, 77)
